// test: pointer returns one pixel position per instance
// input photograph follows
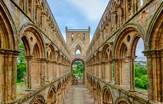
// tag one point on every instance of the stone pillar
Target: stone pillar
(47, 72)
(96, 69)
(43, 70)
(132, 74)
(116, 70)
(99, 71)
(57, 70)
(38, 72)
(60, 69)
(8, 75)
(155, 74)
(28, 71)
(103, 70)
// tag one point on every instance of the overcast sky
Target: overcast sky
(78, 13)
(82, 14)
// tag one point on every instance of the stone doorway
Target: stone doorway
(77, 72)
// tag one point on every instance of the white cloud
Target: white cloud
(92, 9)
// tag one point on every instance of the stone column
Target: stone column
(116, 70)
(43, 70)
(8, 75)
(57, 69)
(132, 74)
(103, 70)
(47, 72)
(28, 71)
(99, 70)
(60, 69)
(155, 73)
(96, 69)
(54, 70)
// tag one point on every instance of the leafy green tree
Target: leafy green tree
(21, 63)
(141, 78)
(78, 69)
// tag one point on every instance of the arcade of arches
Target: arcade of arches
(110, 61)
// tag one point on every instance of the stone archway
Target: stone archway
(51, 63)
(8, 56)
(122, 100)
(124, 54)
(107, 95)
(107, 62)
(154, 56)
(39, 99)
(82, 65)
(78, 50)
(51, 99)
(35, 55)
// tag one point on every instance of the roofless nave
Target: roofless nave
(110, 71)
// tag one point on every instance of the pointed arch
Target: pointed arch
(107, 95)
(7, 29)
(78, 50)
(52, 94)
(38, 99)
(153, 52)
(124, 50)
(8, 50)
(31, 35)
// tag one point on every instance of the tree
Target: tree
(78, 69)
(21, 63)
(141, 78)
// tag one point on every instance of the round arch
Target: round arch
(82, 61)
(122, 100)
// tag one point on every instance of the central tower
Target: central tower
(78, 41)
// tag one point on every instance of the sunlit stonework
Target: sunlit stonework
(36, 62)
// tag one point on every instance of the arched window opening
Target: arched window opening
(141, 77)
(78, 71)
(107, 97)
(21, 68)
(77, 52)
(36, 51)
